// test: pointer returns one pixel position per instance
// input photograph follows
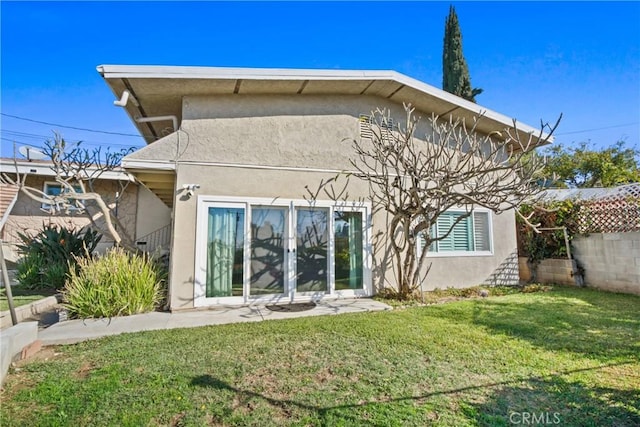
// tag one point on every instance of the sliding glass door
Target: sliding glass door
(348, 238)
(312, 250)
(252, 250)
(225, 252)
(269, 243)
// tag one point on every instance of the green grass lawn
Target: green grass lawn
(22, 296)
(571, 355)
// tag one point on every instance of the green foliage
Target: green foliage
(549, 243)
(29, 271)
(116, 284)
(536, 287)
(48, 256)
(437, 296)
(455, 73)
(584, 167)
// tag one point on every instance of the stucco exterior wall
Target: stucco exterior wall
(28, 217)
(501, 268)
(152, 213)
(278, 131)
(290, 184)
(274, 146)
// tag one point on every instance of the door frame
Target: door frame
(204, 202)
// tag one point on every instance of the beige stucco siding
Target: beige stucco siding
(225, 181)
(274, 146)
(290, 184)
(293, 131)
(152, 213)
(464, 271)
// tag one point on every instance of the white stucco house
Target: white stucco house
(230, 152)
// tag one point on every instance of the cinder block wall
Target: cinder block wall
(611, 260)
(560, 271)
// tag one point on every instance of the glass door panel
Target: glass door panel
(225, 252)
(268, 249)
(348, 250)
(312, 237)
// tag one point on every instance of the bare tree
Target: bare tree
(76, 170)
(415, 180)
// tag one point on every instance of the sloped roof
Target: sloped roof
(45, 168)
(158, 91)
(613, 193)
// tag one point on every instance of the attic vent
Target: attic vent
(386, 125)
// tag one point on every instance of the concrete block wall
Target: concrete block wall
(611, 261)
(559, 271)
(25, 312)
(12, 341)
(524, 270)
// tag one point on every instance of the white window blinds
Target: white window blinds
(470, 234)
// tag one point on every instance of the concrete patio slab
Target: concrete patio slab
(74, 331)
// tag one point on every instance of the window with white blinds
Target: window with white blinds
(470, 234)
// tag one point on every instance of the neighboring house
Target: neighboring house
(230, 151)
(139, 211)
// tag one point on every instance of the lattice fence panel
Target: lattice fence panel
(610, 215)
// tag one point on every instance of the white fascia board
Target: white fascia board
(177, 72)
(44, 169)
(149, 164)
(224, 73)
(467, 105)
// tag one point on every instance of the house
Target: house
(139, 211)
(230, 152)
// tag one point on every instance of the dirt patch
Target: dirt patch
(325, 375)
(44, 355)
(177, 419)
(85, 369)
(292, 308)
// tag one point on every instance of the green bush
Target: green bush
(48, 256)
(549, 243)
(30, 271)
(115, 284)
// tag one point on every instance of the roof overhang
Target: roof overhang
(158, 91)
(45, 168)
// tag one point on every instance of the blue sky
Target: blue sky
(534, 60)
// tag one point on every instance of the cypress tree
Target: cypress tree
(455, 73)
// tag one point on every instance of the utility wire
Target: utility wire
(84, 143)
(71, 127)
(594, 129)
(12, 133)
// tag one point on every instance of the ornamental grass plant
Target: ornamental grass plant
(118, 283)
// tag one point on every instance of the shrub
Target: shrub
(48, 256)
(115, 284)
(30, 271)
(549, 243)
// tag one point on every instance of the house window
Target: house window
(466, 236)
(54, 189)
(250, 249)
